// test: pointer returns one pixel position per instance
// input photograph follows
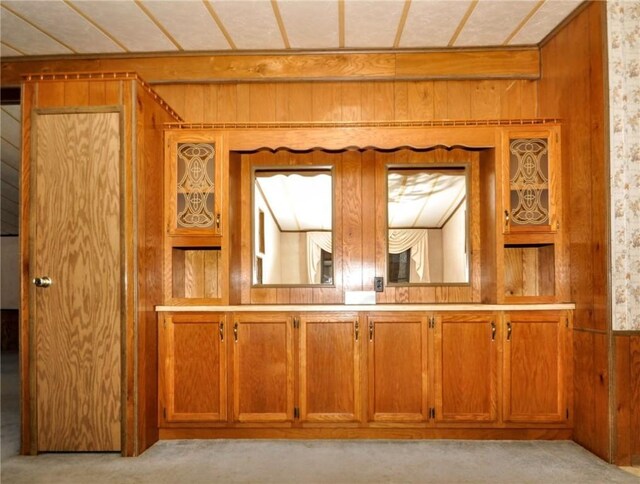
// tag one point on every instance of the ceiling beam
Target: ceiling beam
(453, 64)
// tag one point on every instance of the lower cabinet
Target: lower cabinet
(262, 356)
(398, 367)
(535, 367)
(193, 365)
(371, 370)
(329, 366)
(466, 367)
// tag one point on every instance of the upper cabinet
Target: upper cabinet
(196, 254)
(531, 173)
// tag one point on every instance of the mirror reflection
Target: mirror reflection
(292, 227)
(427, 221)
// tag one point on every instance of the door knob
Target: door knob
(44, 281)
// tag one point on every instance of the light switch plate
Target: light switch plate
(360, 297)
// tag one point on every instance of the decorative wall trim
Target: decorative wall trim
(623, 18)
(368, 124)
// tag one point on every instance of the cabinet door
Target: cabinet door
(193, 368)
(262, 368)
(194, 190)
(534, 367)
(398, 372)
(466, 352)
(532, 181)
(330, 368)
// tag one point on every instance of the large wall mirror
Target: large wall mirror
(292, 226)
(428, 224)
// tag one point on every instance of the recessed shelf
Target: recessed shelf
(197, 272)
(529, 270)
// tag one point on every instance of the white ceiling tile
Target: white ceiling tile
(10, 128)
(372, 23)
(14, 110)
(544, 21)
(128, 23)
(10, 154)
(492, 22)
(28, 39)
(6, 51)
(65, 24)
(432, 23)
(251, 24)
(311, 24)
(189, 22)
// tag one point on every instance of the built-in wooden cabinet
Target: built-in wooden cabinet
(196, 251)
(193, 367)
(263, 367)
(329, 367)
(531, 259)
(466, 361)
(398, 367)
(536, 367)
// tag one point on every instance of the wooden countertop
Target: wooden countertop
(368, 307)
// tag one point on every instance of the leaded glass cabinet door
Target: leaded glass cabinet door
(194, 183)
(531, 178)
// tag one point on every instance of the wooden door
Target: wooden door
(466, 367)
(397, 365)
(330, 367)
(262, 367)
(534, 366)
(193, 368)
(76, 241)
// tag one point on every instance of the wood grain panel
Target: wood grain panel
(330, 368)
(634, 397)
(262, 368)
(572, 87)
(398, 368)
(194, 368)
(534, 368)
(466, 367)
(471, 64)
(78, 383)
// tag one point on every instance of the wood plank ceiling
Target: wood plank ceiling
(68, 28)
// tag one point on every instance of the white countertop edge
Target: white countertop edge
(369, 307)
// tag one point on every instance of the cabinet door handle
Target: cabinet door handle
(370, 330)
(217, 220)
(493, 331)
(356, 329)
(235, 332)
(509, 331)
(506, 218)
(221, 330)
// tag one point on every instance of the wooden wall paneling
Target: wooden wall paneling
(210, 103)
(50, 94)
(326, 101)
(489, 245)
(300, 101)
(380, 159)
(97, 93)
(441, 100)
(28, 441)
(420, 100)
(262, 99)
(401, 100)
(194, 103)
(227, 103)
(352, 218)
(76, 93)
(623, 406)
(634, 392)
(175, 95)
(236, 281)
(459, 99)
(584, 389)
(383, 101)
(601, 382)
(369, 220)
(485, 99)
(351, 100)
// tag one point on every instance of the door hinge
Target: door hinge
(296, 323)
(432, 412)
(296, 413)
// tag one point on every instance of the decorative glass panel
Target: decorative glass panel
(195, 185)
(529, 181)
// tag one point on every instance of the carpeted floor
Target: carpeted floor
(277, 461)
